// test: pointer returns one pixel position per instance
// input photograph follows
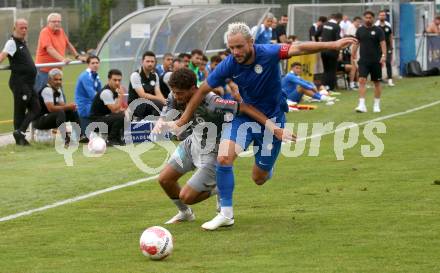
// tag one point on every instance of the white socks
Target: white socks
(376, 102)
(227, 212)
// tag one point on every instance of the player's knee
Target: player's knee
(362, 80)
(186, 197)
(164, 181)
(225, 160)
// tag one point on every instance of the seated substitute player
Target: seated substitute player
(256, 71)
(344, 65)
(294, 87)
(54, 110)
(199, 150)
(108, 107)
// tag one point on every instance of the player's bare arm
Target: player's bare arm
(280, 133)
(383, 47)
(303, 48)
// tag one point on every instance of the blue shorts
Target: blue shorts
(266, 146)
(295, 96)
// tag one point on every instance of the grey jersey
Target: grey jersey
(208, 118)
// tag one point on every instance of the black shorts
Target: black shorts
(372, 69)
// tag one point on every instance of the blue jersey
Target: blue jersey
(290, 82)
(259, 83)
(263, 35)
(160, 70)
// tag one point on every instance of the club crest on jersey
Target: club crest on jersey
(258, 69)
(199, 120)
(387, 29)
(373, 32)
(152, 83)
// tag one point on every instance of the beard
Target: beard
(246, 58)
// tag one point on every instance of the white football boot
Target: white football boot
(182, 216)
(361, 109)
(390, 83)
(376, 109)
(218, 221)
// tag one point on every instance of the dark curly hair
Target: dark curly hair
(183, 79)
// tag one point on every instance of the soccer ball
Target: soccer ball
(97, 145)
(156, 243)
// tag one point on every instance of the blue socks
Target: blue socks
(317, 96)
(225, 184)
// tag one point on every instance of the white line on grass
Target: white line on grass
(150, 178)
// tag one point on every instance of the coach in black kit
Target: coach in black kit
(21, 82)
(372, 56)
(330, 31)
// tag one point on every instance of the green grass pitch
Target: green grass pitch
(317, 214)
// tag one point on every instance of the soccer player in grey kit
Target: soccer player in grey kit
(199, 150)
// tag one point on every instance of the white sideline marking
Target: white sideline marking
(135, 182)
(78, 198)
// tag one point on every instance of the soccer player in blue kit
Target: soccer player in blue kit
(256, 71)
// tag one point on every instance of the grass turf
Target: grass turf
(317, 214)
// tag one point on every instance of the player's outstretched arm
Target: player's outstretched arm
(313, 47)
(192, 105)
(279, 133)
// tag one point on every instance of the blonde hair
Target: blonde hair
(239, 27)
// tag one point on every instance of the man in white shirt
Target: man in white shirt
(108, 107)
(344, 24)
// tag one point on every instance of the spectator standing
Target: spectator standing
(389, 41)
(280, 30)
(52, 45)
(263, 33)
(372, 56)
(330, 32)
(344, 25)
(21, 81)
(317, 27)
(351, 31)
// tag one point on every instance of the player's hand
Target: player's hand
(382, 60)
(158, 127)
(67, 60)
(284, 135)
(345, 42)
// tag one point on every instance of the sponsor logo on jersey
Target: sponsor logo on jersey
(223, 101)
